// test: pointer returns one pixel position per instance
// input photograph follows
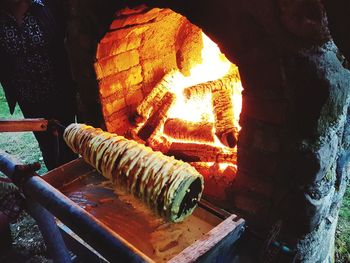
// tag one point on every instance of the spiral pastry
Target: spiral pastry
(170, 187)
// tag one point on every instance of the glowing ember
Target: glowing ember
(214, 66)
(199, 108)
(195, 118)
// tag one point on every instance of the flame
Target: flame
(214, 66)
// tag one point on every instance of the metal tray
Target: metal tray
(207, 235)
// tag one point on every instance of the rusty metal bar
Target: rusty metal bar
(45, 220)
(110, 245)
(21, 125)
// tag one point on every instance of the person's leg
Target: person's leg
(65, 116)
(54, 150)
(5, 232)
(46, 143)
(44, 139)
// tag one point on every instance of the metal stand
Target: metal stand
(95, 233)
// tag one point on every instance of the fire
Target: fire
(195, 118)
(199, 109)
(214, 66)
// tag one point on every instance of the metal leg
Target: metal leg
(51, 234)
(46, 222)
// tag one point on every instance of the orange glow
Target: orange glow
(214, 66)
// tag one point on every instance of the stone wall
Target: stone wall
(293, 162)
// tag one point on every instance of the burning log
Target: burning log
(214, 169)
(217, 179)
(230, 157)
(132, 135)
(225, 129)
(203, 168)
(168, 186)
(202, 89)
(158, 118)
(191, 131)
(154, 99)
(158, 142)
(194, 152)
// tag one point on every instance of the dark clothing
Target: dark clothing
(35, 72)
(47, 141)
(31, 76)
(33, 57)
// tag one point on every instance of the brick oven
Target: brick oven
(164, 83)
(270, 132)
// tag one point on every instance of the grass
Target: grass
(28, 245)
(342, 242)
(24, 147)
(20, 144)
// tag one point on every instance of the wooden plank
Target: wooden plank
(216, 245)
(21, 125)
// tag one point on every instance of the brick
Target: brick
(134, 76)
(134, 96)
(116, 64)
(108, 49)
(160, 37)
(112, 107)
(154, 69)
(137, 19)
(121, 34)
(118, 122)
(108, 89)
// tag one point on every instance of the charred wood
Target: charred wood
(194, 152)
(159, 142)
(202, 89)
(209, 169)
(191, 131)
(158, 118)
(154, 99)
(230, 157)
(225, 129)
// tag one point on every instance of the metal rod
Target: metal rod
(110, 245)
(46, 222)
(21, 125)
(50, 232)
